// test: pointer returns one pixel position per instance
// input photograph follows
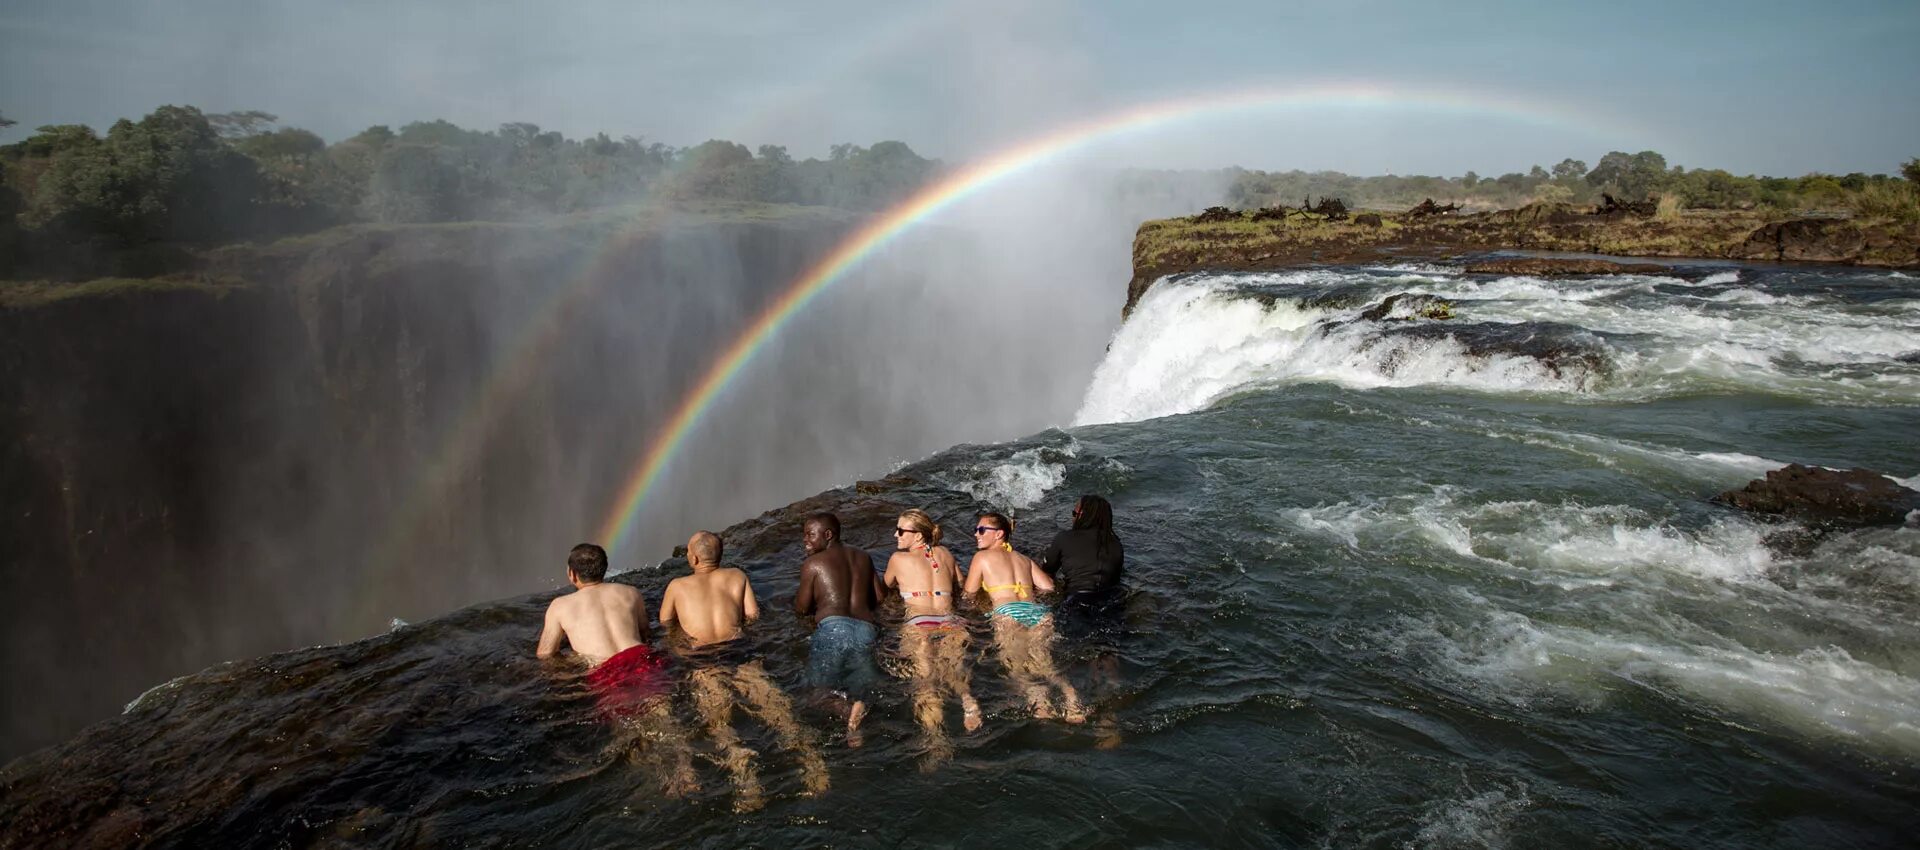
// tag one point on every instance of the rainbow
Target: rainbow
(993, 169)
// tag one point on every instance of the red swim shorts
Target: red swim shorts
(628, 680)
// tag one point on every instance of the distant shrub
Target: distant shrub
(1668, 208)
(1897, 201)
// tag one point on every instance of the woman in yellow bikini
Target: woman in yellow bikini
(1022, 627)
(933, 640)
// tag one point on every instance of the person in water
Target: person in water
(840, 589)
(711, 607)
(1087, 562)
(606, 626)
(933, 640)
(1022, 628)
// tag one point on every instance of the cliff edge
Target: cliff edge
(1225, 240)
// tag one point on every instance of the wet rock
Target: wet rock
(891, 482)
(1827, 497)
(1417, 305)
(1555, 267)
(1563, 350)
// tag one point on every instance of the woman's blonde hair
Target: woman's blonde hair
(918, 520)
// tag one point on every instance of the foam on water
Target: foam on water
(1546, 543)
(1020, 481)
(1478, 820)
(1193, 341)
(1823, 691)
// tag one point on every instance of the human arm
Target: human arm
(551, 634)
(667, 605)
(749, 607)
(803, 598)
(1041, 581)
(1049, 560)
(974, 575)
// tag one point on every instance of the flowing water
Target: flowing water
(1395, 580)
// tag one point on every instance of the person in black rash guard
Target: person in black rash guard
(1086, 561)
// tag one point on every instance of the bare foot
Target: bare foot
(970, 715)
(858, 714)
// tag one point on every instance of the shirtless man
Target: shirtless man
(710, 607)
(606, 624)
(838, 586)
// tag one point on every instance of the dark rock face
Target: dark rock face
(244, 470)
(1551, 267)
(1825, 496)
(1830, 241)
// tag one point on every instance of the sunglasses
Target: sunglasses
(899, 531)
(982, 529)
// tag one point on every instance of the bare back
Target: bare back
(837, 581)
(598, 620)
(918, 582)
(710, 606)
(1006, 576)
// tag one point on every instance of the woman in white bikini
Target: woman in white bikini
(933, 640)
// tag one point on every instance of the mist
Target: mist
(408, 425)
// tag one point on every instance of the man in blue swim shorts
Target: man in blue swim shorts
(838, 587)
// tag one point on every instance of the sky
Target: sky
(1755, 87)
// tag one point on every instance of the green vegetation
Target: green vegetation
(77, 204)
(1626, 176)
(150, 196)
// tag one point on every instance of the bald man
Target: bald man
(711, 608)
(712, 605)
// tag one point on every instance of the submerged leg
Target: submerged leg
(927, 703)
(1013, 641)
(768, 703)
(1040, 656)
(663, 735)
(951, 664)
(715, 702)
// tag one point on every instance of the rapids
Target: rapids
(1394, 581)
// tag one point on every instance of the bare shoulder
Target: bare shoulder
(734, 575)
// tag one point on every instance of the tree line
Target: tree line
(73, 201)
(1638, 176)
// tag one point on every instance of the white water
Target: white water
(1634, 590)
(1193, 342)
